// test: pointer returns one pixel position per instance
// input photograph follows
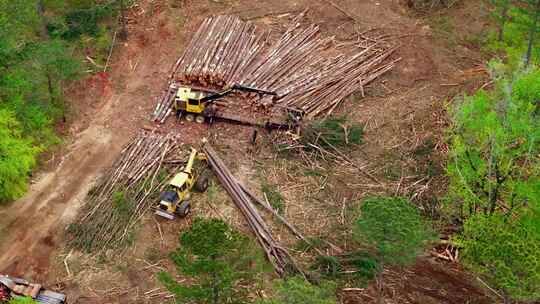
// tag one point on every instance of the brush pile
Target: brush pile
(125, 192)
(276, 254)
(310, 73)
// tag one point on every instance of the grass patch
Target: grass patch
(121, 204)
(274, 197)
(335, 132)
(443, 29)
(328, 266)
(311, 244)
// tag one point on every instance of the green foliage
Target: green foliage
(526, 90)
(393, 227)
(493, 161)
(17, 157)
(329, 266)
(121, 204)
(39, 45)
(366, 265)
(274, 197)
(506, 251)
(333, 131)
(362, 264)
(516, 20)
(296, 290)
(22, 300)
(494, 171)
(216, 257)
(17, 22)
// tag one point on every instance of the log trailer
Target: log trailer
(199, 105)
(12, 288)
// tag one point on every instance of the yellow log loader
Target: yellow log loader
(199, 105)
(174, 201)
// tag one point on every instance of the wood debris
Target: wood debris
(278, 256)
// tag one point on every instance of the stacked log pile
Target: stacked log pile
(276, 254)
(123, 194)
(309, 72)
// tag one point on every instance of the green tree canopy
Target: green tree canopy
(494, 170)
(506, 251)
(494, 156)
(216, 257)
(17, 157)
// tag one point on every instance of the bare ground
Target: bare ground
(404, 147)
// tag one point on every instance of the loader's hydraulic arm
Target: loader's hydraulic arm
(189, 165)
(236, 87)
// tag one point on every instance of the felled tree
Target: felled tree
(216, 257)
(394, 228)
(297, 290)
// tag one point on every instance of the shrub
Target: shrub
(333, 131)
(394, 227)
(216, 257)
(296, 290)
(328, 265)
(22, 300)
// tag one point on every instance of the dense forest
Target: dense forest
(492, 166)
(43, 46)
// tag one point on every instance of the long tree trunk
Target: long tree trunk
(532, 33)
(380, 286)
(504, 17)
(40, 8)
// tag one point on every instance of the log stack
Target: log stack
(125, 192)
(278, 256)
(309, 72)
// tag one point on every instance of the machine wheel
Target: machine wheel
(199, 119)
(190, 117)
(184, 209)
(202, 183)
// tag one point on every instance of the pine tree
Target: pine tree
(216, 257)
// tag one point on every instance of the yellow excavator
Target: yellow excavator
(174, 201)
(198, 105)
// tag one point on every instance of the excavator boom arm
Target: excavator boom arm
(236, 87)
(189, 165)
